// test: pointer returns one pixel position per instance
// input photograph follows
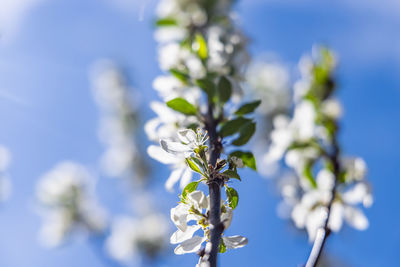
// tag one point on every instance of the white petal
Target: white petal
(315, 220)
(186, 178)
(160, 155)
(198, 199)
(356, 218)
(187, 136)
(173, 179)
(150, 128)
(190, 245)
(180, 236)
(174, 147)
(179, 216)
(226, 217)
(237, 241)
(336, 217)
(299, 215)
(355, 194)
(325, 180)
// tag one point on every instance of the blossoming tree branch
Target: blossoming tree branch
(327, 188)
(199, 126)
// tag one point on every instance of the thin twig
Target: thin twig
(324, 232)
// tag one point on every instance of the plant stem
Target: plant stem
(214, 185)
(324, 232)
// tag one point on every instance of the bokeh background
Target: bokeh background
(47, 114)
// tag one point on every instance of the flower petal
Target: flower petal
(160, 155)
(173, 179)
(336, 217)
(181, 236)
(186, 178)
(175, 148)
(226, 217)
(237, 241)
(179, 216)
(190, 245)
(187, 136)
(356, 218)
(198, 199)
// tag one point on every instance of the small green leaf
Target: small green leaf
(183, 77)
(247, 158)
(246, 132)
(232, 174)
(308, 173)
(222, 247)
(202, 49)
(163, 22)
(193, 165)
(189, 188)
(233, 126)
(207, 86)
(248, 108)
(233, 197)
(183, 106)
(224, 89)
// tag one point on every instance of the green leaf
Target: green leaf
(183, 106)
(232, 174)
(207, 86)
(233, 126)
(202, 49)
(163, 22)
(193, 165)
(233, 197)
(183, 77)
(224, 89)
(222, 247)
(189, 188)
(246, 132)
(308, 173)
(247, 158)
(248, 108)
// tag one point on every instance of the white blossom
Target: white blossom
(189, 141)
(117, 121)
(194, 209)
(66, 195)
(130, 237)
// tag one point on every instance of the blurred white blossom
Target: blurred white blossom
(117, 124)
(67, 198)
(131, 237)
(307, 142)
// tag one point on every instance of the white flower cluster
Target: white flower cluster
(66, 192)
(194, 205)
(5, 184)
(181, 20)
(144, 235)
(308, 144)
(270, 82)
(197, 42)
(117, 123)
(132, 237)
(194, 210)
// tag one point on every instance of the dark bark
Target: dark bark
(214, 185)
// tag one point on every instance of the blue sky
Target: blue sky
(47, 115)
